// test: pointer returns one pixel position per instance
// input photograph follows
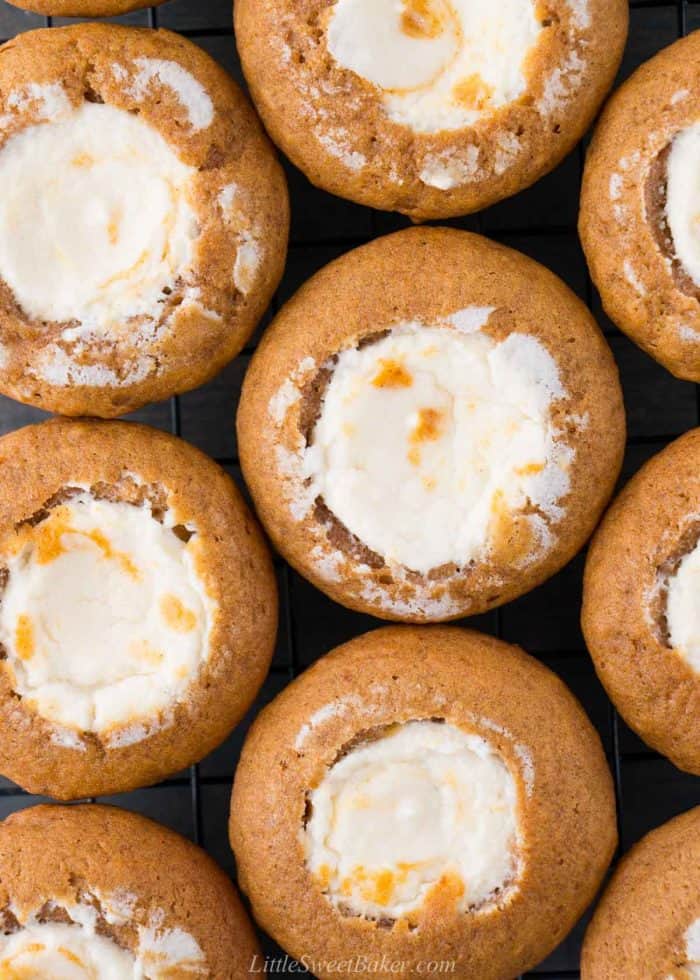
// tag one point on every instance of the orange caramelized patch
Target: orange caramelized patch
(47, 539)
(70, 956)
(24, 637)
(511, 534)
(83, 160)
(384, 887)
(530, 469)
(176, 615)
(113, 229)
(446, 892)
(472, 93)
(102, 542)
(377, 887)
(127, 273)
(392, 374)
(421, 19)
(8, 971)
(323, 876)
(429, 428)
(148, 654)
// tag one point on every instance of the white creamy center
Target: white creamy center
(94, 218)
(53, 951)
(76, 950)
(683, 199)
(104, 619)
(441, 64)
(430, 439)
(683, 609)
(426, 813)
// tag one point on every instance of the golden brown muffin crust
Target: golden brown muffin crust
(425, 275)
(40, 462)
(331, 123)
(622, 222)
(206, 319)
(54, 858)
(475, 682)
(653, 524)
(639, 926)
(84, 8)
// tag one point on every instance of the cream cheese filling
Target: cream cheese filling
(683, 199)
(104, 618)
(95, 218)
(439, 64)
(424, 813)
(77, 950)
(683, 609)
(54, 951)
(430, 439)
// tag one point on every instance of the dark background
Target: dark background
(540, 222)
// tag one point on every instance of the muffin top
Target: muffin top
(138, 608)
(641, 608)
(647, 924)
(431, 426)
(84, 8)
(146, 226)
(425, 810)
(430, 107)
(640, 208)
(93, 891)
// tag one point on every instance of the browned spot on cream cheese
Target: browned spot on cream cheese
(83, 160)
(323, 876)
(177, 615)
(47, 540)
(422, 19)
(113, 229)
(530, 469)
(392, 374)
(472, 92)
(148, 654)
(71, 957)
(429, 428)
(374, 886)
(112, 554)
(510, 533)
(24, 637)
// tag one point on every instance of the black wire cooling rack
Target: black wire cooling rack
(540, 222)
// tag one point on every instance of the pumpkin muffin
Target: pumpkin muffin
(93, 891)
(640, 208)
(143, 225)
(84, 8)
(431, 426)
(434, 108)
(641, 602)
(647, 925)
(434, 795)
(138, 607)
